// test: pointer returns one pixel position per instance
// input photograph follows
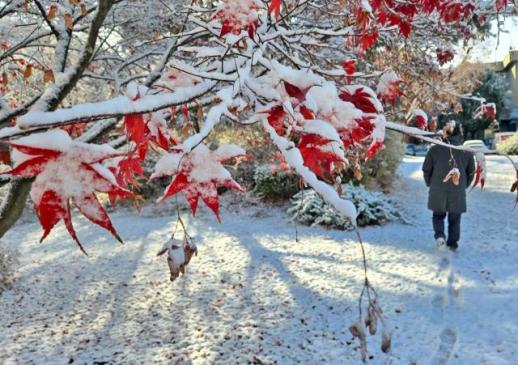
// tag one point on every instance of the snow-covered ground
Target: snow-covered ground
(255, 295)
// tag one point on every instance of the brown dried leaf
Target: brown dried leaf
(48, 76)
(372, 321)
(178, 257)
(69, 21)
(52, 12)
(357, 173)
(454, 175)
(199, 111)
(189, 249)
(186, 128)
(74, 2)
(386, 341)
(28, 71)
(358, 331)
(4, 80)
(84, 11)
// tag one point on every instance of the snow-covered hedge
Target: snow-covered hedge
(274, 185)
(7, 265)
(374, 208)
(509, 146)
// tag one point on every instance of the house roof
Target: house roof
(509, 61)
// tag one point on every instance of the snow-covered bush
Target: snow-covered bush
(509, 146)
(373, 208)
(274, 184)
(380, 172)
(7, 265)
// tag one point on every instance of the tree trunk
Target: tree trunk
(12, 206)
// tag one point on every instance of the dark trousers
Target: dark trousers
(453, 227)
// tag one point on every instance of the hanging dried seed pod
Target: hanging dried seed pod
(179, 253)
(358, 331)
(454, 175)
(372, 320)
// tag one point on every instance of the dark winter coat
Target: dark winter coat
(446, 196)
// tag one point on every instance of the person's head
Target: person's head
(449, 128)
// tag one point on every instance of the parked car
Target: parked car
(501, 136)
(477, 145)
(416, 149)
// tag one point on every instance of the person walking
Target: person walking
(448, 173)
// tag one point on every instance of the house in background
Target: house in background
(509, 66)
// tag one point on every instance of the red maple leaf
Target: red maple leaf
(306, 112)
(500, 4)
(373, 149)
(368, 39)
(405, 28)
(135, 128)
(275, 8)
(363, 128)
(319, 154)
(444, 55)
(349, 68)
(275, 118)
(127, 168)
(198, 174)
(478, 178)
(296, 92)
(66, 172)
(361, 99)
(489, 110)
(390, 91)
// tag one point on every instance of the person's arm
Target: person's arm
(428, 168)
(470, 170)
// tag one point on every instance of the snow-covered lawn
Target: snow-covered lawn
(255, 295)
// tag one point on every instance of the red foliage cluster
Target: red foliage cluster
(72, 175)
(444, 55)
(320, 153)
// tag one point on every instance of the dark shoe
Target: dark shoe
(453, 246)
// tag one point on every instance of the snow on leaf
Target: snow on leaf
(295, 91)
(236, 15)
(421, 118)
(70, 172)
(179, 254)
(481, 171)
(362, 98)
(388, 89)
(319, 153)
(198, 174)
